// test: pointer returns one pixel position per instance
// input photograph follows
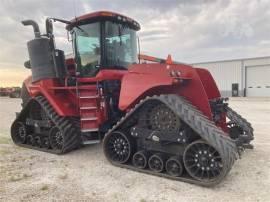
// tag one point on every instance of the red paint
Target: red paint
(98, 15)
(141, 80)
(149, 79)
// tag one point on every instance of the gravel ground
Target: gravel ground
(85, 175)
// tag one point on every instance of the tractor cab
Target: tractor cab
(103, 40)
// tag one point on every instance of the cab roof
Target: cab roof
(103, 15)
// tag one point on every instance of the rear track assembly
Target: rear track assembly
(63, 136)
(214, 150)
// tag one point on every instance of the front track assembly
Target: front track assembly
(204, 159)
(240, 129)
(39, 127)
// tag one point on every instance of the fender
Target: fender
(209, 83)
(63, 101)
(150, 79)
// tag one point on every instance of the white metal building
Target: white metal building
(242, 77)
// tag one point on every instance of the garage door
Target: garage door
(258, 81)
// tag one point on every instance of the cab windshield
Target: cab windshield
(104, 45)
(120, 45)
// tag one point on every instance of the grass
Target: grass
(4, 140)
(45, 187)
(18, 177)
(5, 151)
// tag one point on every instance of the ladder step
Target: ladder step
(91, 142)
(89, 130)
(90, 97)
(89, 119)
(88, 107)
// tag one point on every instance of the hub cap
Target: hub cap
(140, 160)
(156, 163)
(174, 167)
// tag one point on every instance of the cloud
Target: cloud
(190, 30)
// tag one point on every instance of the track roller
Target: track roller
(140, 159)
(45, 143)
(203, 162)
(156, 162)
(37, 140)
(30, 140)
(174, 166)
(118, 147)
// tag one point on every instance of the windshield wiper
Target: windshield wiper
(77, 26)
(120, 33)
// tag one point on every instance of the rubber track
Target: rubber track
(72, 139)
(240, 121)
(200, 124)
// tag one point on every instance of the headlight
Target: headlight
(178, 73)
(173, 73)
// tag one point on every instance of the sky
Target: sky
(191, 31)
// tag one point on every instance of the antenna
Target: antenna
(74, 8)
(139, 48)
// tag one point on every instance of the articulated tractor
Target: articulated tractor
(158, 117)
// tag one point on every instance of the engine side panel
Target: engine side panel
(150, 79)
(63, 100)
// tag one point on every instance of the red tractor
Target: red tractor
(163, 118)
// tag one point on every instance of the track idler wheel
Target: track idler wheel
(156, 162)
(19, 133)
(56, 138)
(118, 147)
(174, 166)
(203, 162)
(140, 159)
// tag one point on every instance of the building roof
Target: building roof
(254, 58)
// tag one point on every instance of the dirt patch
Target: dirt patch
(85, 174)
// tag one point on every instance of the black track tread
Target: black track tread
(24, 95)
(72, 137)
(204, 127)
(240, 121)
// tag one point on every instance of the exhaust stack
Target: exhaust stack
(34, 25)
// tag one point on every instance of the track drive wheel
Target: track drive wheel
(18, 133)
(140, 159)
(56, 138)
(203, 162)
(174, 166)
(118, 147)
(156, 162)
(162, 118)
